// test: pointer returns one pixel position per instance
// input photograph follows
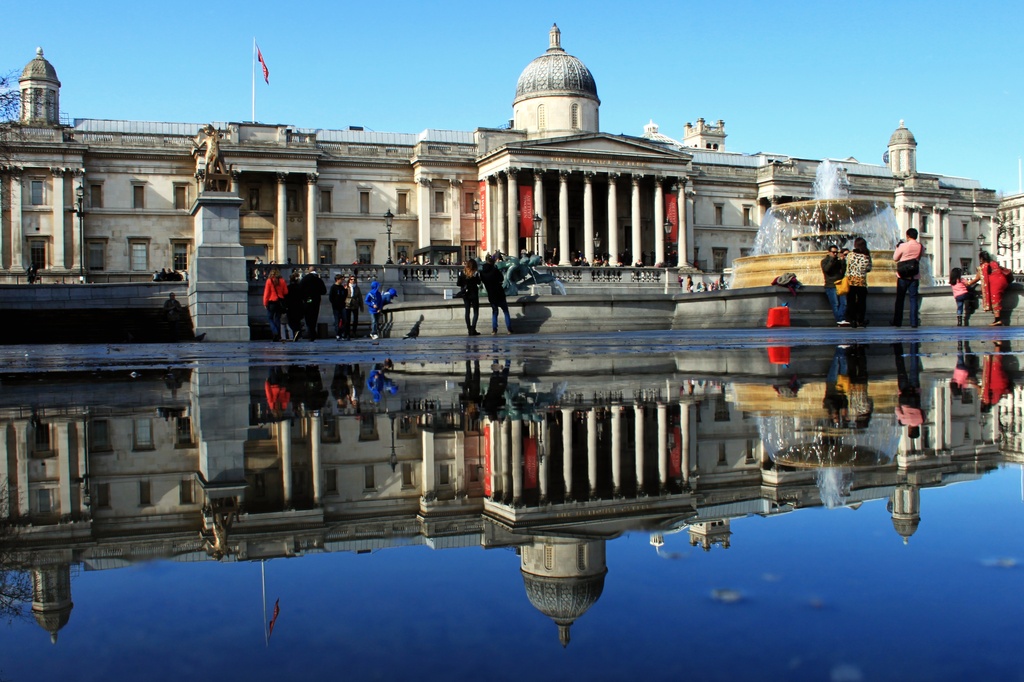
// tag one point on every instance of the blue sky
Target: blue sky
(813, 80)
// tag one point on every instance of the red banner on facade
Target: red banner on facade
(487, 457)
(672, 215)
(482, 236)
(525, 211)
(675, 455)
(529, 462)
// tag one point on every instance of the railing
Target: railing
(73, 278)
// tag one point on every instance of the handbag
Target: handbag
(842, 286)
(908, 269)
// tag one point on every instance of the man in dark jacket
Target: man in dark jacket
(833, 269)
(312, 289)
(337, 296)
(494, 282)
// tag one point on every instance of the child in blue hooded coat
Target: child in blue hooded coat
(374, 305)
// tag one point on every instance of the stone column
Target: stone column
(942, 225)
(455, 212)
(316, 462)
(659, 221)
(516, 434)
(613, 219)
(567, 451)
(59, 218)
(662, 445)
(588, 216)
(312, 254)
(687, 199)
(491, 206)
(21, 458)
(688, 443)
(538, 207)
(284, 445)
(506, 459)
(637, 246)
(592, 447)
(17, 228)
(423, 222)
(64, 472)
(617, 449)
(543, 461)
(500, 216)
(220, 419)
(638, 445)
(563, 218)
(494, 440)
(513, 212)
(77, 227)
(429, 484)
(281, 229)
(235, 177)
(218, 293)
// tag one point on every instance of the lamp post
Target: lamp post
(388, 217)
(597, 245)
(537, 224)
(476, 226)
(668, 231)
(79, 210)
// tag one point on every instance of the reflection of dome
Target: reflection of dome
(51, 598)
(902, 135)
(39, 69)
(556, 73)
(563, 600)
(906, 526)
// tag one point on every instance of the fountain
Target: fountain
(794, 237)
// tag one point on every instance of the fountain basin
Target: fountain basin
(759, 271)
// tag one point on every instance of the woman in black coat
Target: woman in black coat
(469, 289)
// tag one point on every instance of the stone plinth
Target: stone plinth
(218, 292)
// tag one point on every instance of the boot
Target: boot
(959, 320)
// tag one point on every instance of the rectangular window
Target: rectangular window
(331, 481)
(407, 481)
(966, 264)
(180, 197)
(403, 203)
(96, 196)
(183, 431)
(139, 255)
(138, 196)
(99, 436)
(719, 214)
(744, 252)
(145, 494)
(924, 224)
(718, 256)
(470, 198)
(142, 434)
(439, 202)
(329, 432)
(403, 251)
(470, 251)
(746, 216)
(37, 192)
(364, 201)
(291, 201)
(325, 201)
(37, 253)
(254, 198)
(325, 252)
(444, 475)
(369, 483)
(966, 225)
(179, 255)
(44, 500)
(96, 255)
(41, 438)
(101, 496)
(364, 252)
(185, 492)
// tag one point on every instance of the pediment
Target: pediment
(594, 146)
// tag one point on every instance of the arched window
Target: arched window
(575, 116)
(542, 118)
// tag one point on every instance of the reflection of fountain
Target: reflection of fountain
(793, 237)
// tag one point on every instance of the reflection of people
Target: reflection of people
(470, 396)
(835, 401)
(909, 252)
(833, 269)
(908, 410)
(293, 303)
(858, 265)
(172, 313)
(861, 404)
(994, 280)
(995, 383)
(494, 399)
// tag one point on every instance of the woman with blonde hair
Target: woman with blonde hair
(469, 290)
(274, 292)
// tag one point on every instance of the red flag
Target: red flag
(526, 211)
(266, 71)
(277, 610)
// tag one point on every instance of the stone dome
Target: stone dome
(906, 526)
(563, 600)
(902, 135)
(39, 69)
(556, 73)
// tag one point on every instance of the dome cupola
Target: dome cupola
(40, 92)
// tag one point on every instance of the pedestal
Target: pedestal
(218, 291)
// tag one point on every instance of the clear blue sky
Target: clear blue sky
(813, 80)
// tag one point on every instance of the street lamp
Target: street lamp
(476, 226)
(668, 231)
(537, 223)
(79, 210)
(388, 217)
(597, 241)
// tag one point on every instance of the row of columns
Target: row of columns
(69, 443)
(913, 216)
(502, 223)
(59, 243)
(506, 450)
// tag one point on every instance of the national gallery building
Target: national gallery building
(111, 200)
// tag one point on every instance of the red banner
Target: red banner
(675, 455)
(525, 211)
(487, 457)
(482, 236)
(529, 462)
(672, 215)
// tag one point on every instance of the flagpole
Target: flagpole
(254, 109)
(263, 574)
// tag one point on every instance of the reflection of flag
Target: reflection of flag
(277, 612)
(266, 71)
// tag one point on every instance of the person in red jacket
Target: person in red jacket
(274, 292)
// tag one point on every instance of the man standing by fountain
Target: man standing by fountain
(833, 269)
(908, 270)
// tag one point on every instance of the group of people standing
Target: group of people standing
(843, 269)
(296, 301)
(493, 281)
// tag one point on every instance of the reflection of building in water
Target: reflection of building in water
(266, 463)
